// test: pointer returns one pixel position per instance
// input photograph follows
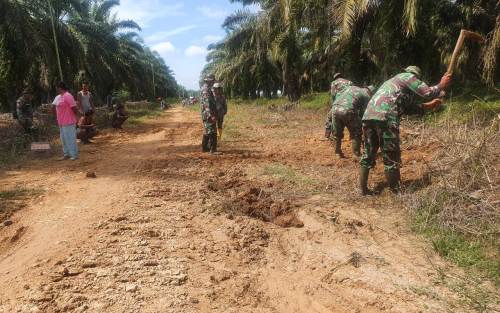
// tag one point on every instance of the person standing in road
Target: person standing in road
(208, 116)
(221, 107)
(84, 100)
(66, 111)
(381, 122)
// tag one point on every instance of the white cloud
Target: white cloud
(145, 11)
(164, 48)
(211, 39)
(213, 12)
(195, 51)
(159, 36)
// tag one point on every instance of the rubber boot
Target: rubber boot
(219, 133)
(356, 147)
(204, 144)
(328, 133)
(393, 179)
(363, 181)
(338, 148)
(213, 144)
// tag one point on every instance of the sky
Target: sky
(180, 31)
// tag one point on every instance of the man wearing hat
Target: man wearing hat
(220, 106)
(348, 109)
(208, 116)
(337, 86)
(381, 122)
(24, 111)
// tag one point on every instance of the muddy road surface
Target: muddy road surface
(271, 225)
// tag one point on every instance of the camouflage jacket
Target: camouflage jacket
(386, 104)
(220, 105)
(24, 109)
(207, 104)
(352, 100)
(338, 86)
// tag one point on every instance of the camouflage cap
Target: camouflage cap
(414, 70)
(217, 85)
(337, 75)
(209, 77)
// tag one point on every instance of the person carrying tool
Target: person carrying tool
(337, 86)
(208, 116)
(348, 109)
(381, 122)
(24, 112)
(221, 107)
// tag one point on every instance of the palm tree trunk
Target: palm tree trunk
(56, 46)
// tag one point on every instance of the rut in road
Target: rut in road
(165, 228)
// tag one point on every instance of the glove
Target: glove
(445, 81)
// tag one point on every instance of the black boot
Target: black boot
(338, 148)
(356, 147)
(393, 180)
(204, 144)
(213, 143)
(363, 181)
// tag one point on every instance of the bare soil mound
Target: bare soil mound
(248, 199)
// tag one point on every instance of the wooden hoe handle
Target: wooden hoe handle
(458, 47)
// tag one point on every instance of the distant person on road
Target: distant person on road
(24, 112)
(162, 104)
(348, 109)
(221, 107)
(120, 115)
(208, 116)
(338, 85)
(381, 122)
(86, 128)
(84, 100)
(66, 111)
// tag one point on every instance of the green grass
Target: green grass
(289, 175)
(478, 107)
(314, 101)
(478, 255)
(138, 114)
(17, 193)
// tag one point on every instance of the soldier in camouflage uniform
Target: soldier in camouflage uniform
(221, 107)
(338, 84)
(348, 109)
(24, 112)
(381, 122)
(208, 116)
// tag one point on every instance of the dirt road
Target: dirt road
(165, 228)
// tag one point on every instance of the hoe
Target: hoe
(464, 34)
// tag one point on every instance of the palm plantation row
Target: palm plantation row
(44, 41)
(297, 45)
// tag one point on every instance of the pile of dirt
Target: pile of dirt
(257, 203)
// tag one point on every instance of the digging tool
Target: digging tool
(464, 34)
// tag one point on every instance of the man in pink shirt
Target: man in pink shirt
(66, 111)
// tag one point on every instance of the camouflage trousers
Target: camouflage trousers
(210, 127)
(379, 134)
(330, 122)
(26, 123)
(348, 120)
